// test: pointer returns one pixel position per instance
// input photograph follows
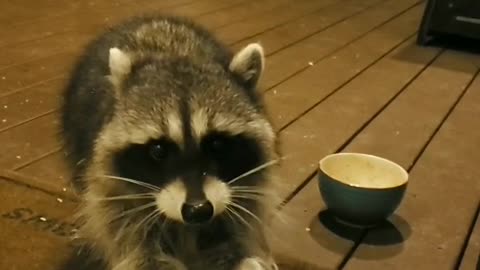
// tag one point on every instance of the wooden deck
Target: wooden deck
(341, 75)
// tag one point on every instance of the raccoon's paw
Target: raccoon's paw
(254, 263)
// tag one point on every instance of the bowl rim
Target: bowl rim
(402, 170)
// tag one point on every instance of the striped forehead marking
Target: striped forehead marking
(199, 123)
(175, 130)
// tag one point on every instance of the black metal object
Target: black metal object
(450, 17)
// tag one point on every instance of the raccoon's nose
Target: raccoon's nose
(197, 213)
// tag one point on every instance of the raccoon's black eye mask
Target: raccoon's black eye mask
(232, 155)
(218, 145)
(159, 150)
(219, 154)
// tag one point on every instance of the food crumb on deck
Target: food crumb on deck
(274, 92)
(5, 106)
(307, 229)
(59, 200)
(64, 189)
(43, 219)
(310, 63)
(19, 157)
(4, 120)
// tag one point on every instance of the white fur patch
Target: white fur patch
(117, 135)
(119, 63)
(199, 123)
(231, 124)
(174, 125)
(259, 128)
(218, 193)
(171, 198)
(251, 264)
(242, 61)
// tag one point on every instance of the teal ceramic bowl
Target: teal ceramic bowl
(360, 189)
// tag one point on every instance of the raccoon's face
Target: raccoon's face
(193, 133)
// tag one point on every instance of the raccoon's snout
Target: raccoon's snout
(197, 213)
(174, 203)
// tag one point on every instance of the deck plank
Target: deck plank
(31, 74)
(317, 47)
(51, 170)
(27, 12)
(471, 258)
(435, 244)
(67, 41)
(69, 21)
(28, 143)
(205, 7)
(29, 242)
(315, 83)
(24, 106)
(237, 32)
(239, 13)
(350, 109)
(308, 25)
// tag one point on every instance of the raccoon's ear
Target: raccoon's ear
(249, 63)
(119, 63)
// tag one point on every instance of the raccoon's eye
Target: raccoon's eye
(217, 145)
(158, 151)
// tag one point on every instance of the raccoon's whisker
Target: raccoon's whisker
(134, 227)
(125, 197)
(136, 182)
(80, 162)
(164, 223)
(121, 231)
(245, 190)
(144, 221)
(252, 192)
(152, 221)
(238, 206)
(240, 218)
(149, 224)
(254, 170)
(246, 196)
(134, 210)
(229, 215)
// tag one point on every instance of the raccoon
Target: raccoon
(170, 148)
